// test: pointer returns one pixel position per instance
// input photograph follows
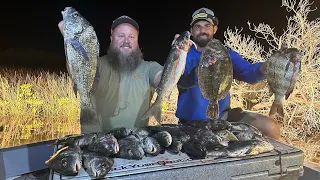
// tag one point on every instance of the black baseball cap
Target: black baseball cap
(204, 14)
(124, 19)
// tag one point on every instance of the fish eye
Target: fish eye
(93, 138)
(129, 152)
(75, 14)
(64, 162)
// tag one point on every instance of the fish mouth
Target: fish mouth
(153, 149)
(65, 10)
(116, 148)
(77, 167)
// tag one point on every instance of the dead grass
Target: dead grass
(35, 106)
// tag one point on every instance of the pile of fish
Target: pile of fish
(95, 152)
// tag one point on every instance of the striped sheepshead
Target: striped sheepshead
(171, 73)
(215, 74)
(82, 50)
(96, 164)
(66, 161)
(283, 68)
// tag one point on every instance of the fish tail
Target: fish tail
(88, 115)
(276, 108)
(154, 110)
(212, 110)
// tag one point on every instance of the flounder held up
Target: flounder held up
(215, 74)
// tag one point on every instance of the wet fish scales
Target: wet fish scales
(176, 146)
(214, 80)
(121, 132)
(249, 147)
(283, 68)
(80, 140)
(130, 147)
(151, 146)
(226, 135)
(195, 149)
(67, 161)
(164, 138)
(213, 124)
(82, 51)
(172, 71)
(209, 139)
(106, 144)
(97, 165)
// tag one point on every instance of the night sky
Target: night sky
(30, 36)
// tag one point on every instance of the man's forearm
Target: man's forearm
(188, 81)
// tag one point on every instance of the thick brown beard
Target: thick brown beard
(202, 42)
(122, 62)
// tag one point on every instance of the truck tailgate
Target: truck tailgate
(285, 161)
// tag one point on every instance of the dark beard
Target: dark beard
(124, 63)
(202, 42)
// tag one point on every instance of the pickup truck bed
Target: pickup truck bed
(284, 162)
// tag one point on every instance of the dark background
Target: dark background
(30, 37)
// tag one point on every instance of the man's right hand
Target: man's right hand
(174, 39)
(60, 26)
(176, 36)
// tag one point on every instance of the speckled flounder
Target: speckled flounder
(283, 68)
(171, 73)
(82, 51)
(214, 75)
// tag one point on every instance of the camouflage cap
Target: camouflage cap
(124, 19)
(204, 14)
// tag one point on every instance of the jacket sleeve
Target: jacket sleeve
(244, 70)
(189, 78)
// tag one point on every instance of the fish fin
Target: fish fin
(154, 110)
(287, 68)
(88, 115)
(300, 66)
(66, 54)
(79, 48)
(212, 110)
(95, 81)
(69, 69)
(276, 108)
(169, 96)
(292, 82)
(288, 93)
(74, 85)
(162, 151)
(75, 89)
(270, 91)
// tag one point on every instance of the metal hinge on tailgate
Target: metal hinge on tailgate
(279, 162)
